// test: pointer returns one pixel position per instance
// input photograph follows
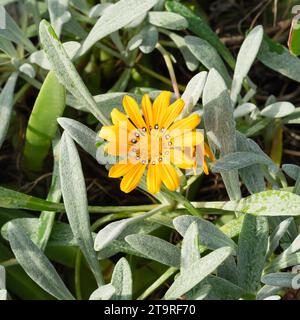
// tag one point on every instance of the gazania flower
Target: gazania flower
(153, 141)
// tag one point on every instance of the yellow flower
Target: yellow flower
(153, 140)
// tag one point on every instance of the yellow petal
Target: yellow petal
(189, 123)
(133, 111)
(119, 117)
(189, 139)
(208, 152)
(108, 133)
(182, 159)
(160, 105)
(173, 111)
(119, 170)
(147, 110)
(169, 176)
(132, 178)
(205, 167)
(153, 178)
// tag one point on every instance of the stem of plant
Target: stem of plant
(167, 57)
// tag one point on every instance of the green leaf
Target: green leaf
(278, 58)
(36, 264)
(122, 281)
(46, 219)
(42, 124)
(155, 249)
(220, 126)
(239, 160)
(114, 18)
(168, 20)
(207, 55)
(278, 110)
(83, 135)
(59, 14)
(66, 72)
(190, 247)
(13, 33)
(209, 235)
(149, 39)
(252, 248)
(2, 278)
(293, 42)
(201, 29)
(6, 105)
(245, 59)
(243, 110)
(198, 271)
(292, 170)
(7, 47)
(103, 293)
(75, 200)
(279, 279)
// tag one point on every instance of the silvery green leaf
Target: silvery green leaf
(103, 293)
(266, 291)
(252, 248)
(283, 262)
(193, 92)
(122, 281)
(198, 271)
(220, 126)
(66, 72)
(75, 201)
(267, 203)
(207, 55)
(277, 57)
(135, 23)
(7, 47)
(83, 135)
(244, 109)
(292, 170)
(191, 62)
(280, 279)
(278, 110)
(135, 41)
(209, 235)
(253, 176)
(6, 105)
(59, 14)
(114, 18)
(239, 160)
(113, 230)
(39, 57)
(168, 20)
(155, 249)
(3, 294)
(150, 38)
(277, 234)
(245, 59)
(222, 289)
(275, 297)
(190, 247)
(2, 278)
(98, 10)
(228, 270)
(13, 32)
(36, 264)
(27, 69)
(201, 293)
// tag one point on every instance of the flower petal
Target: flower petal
(119, 170)
(119, 118)
(173, 111)
(189, 123)
(153, 178)
(147, 110)
(182, 159)
(160, 105)
(132, 178)
(169, 176)
(189, 139)
(133, 111)
(108, 133)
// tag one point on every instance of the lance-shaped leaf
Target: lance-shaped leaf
(168, 20)
(59, 14)
(66, 72)
(245, 59)
(114, 18)
(220, 126)
(6, 105)
(122, 280)
(198, 271)
(281, 279)
(36, 264)
(75, 200)
(278, 110)
(103, 293)
(252, 249)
